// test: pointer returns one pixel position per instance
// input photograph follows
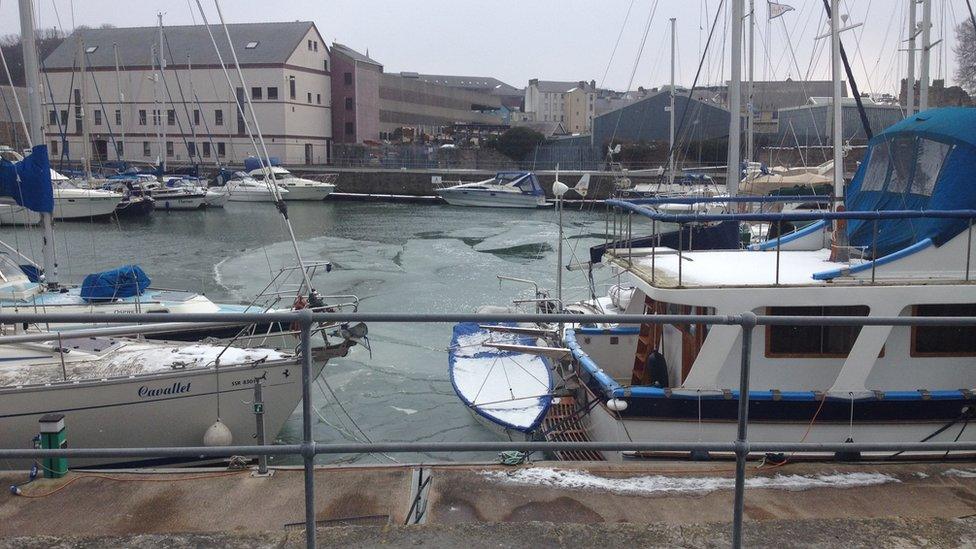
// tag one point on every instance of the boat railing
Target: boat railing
(308, 448)
(621, 238)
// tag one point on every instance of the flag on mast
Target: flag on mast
(776, 9)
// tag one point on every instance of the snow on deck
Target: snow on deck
(127, 360)
(508, 388)
(738, 267)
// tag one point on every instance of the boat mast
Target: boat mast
(162, 98)
(840, 250)
(157, 115)
(121, 100)
(86, 147)
(923, 93)
(750, 90)
(671, 108)
(735, 101)
(912, 34)
(36, 125)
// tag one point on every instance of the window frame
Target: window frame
(913, 347)
(768, 332)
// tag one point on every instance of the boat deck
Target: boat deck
(800, 503)
(562, 424)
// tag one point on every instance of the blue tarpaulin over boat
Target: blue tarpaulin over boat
(526, 182)
(28, 182)
(252, 163)
(925, 162)
(124, 281)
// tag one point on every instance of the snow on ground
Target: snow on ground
(961, 473)
(659, 484)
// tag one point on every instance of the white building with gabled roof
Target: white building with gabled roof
(286, 66)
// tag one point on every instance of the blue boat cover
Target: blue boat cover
(524, 181)
(29, 181)
(124, 281)
(925, 162)
(252, 163)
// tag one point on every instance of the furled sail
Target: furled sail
(28, 181)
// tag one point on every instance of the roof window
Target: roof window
(91, 49)
(251, 45)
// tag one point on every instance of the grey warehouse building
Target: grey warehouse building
(811, 125)
(649, 120)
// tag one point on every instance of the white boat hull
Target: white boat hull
(247, 196)
(216, 199)
(120, 413)
(180, 203)
(603, 425)
(18, 215)
(491, 199)
(318, 192)
(85, 208)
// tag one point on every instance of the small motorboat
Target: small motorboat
(174, 194)
(505, 190)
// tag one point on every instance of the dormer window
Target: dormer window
(251, 45)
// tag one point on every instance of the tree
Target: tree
(516, 143)
(965, 50)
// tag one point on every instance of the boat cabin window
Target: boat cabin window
(905, 164)
(812, 341)
(944, 340)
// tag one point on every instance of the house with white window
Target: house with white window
(187, 113)
(569, 103)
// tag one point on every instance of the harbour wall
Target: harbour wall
(420, 182)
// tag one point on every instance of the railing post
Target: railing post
(630, 239)
(969, 247)
(874, 251)
(681, 244)
(654, 243)
(308, 446)
(779, 240)
(259, 426)
(748, 323)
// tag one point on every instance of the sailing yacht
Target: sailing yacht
(71, 200)
(112, 391)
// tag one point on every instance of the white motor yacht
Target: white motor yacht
(505, 190)
(244, 188)
(299, 188)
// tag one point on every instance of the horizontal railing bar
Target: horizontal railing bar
(112, 331)
(789, 216)
(735, 199)
(377, 317)
(490, 446)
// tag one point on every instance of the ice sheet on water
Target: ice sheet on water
(659, 484)
(519, 235)
(960, 473)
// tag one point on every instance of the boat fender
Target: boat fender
(617, 405)
(657, 366)
(218, 434)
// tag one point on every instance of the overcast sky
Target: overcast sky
(515, 40)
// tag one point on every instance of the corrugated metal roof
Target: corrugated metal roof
(275, 44)
(487, 83)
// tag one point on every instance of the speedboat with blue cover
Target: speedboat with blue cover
(904, 247)
(505, 190)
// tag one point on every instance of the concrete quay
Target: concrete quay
(655, 504)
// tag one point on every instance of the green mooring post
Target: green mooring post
(52, 437)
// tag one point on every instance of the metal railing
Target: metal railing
(308, 448)
(621, 212)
